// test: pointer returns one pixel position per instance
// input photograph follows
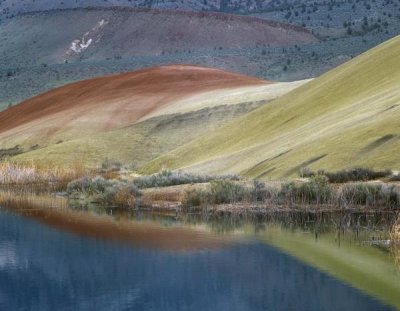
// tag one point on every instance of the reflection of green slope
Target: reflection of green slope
(363, 267)
(347, 117)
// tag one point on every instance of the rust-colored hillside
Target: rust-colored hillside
(111, 102)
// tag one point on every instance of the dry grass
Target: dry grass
(168, 196)
(19, 175)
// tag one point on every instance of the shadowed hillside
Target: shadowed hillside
(345, 118)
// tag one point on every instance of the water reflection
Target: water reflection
(54, 270)
(54, 212)
(55, 258)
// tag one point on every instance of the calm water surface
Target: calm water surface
(45, 266)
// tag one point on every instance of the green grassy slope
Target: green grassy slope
(155, 134)
(347, 117)
(139, 143)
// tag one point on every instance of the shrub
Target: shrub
(390, 194)
(89, 186)
(356, 174)
(226, 191)
(260, 192)
(197, 197)
(168, 178)
(219, 192)
(121, 194)
(360, 194)
(316, 190)
(370, 195)
(108, 192)
(111, 165)
(306, 172)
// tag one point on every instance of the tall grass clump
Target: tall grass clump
(316, 191)
(370, 195)
(169, 178)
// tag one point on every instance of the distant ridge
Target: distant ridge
(217, 15)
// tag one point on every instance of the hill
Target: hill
(34, 45)
(110, 102)
(345, 118)
(43, 50)
(132, 117)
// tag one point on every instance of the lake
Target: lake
(57, 259)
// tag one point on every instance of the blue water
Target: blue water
(42, 268)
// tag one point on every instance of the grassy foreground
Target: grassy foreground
(347, 117)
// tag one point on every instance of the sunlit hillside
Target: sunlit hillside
(345, 118)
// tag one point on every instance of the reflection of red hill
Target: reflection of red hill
(145, 234)
(114, 101)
